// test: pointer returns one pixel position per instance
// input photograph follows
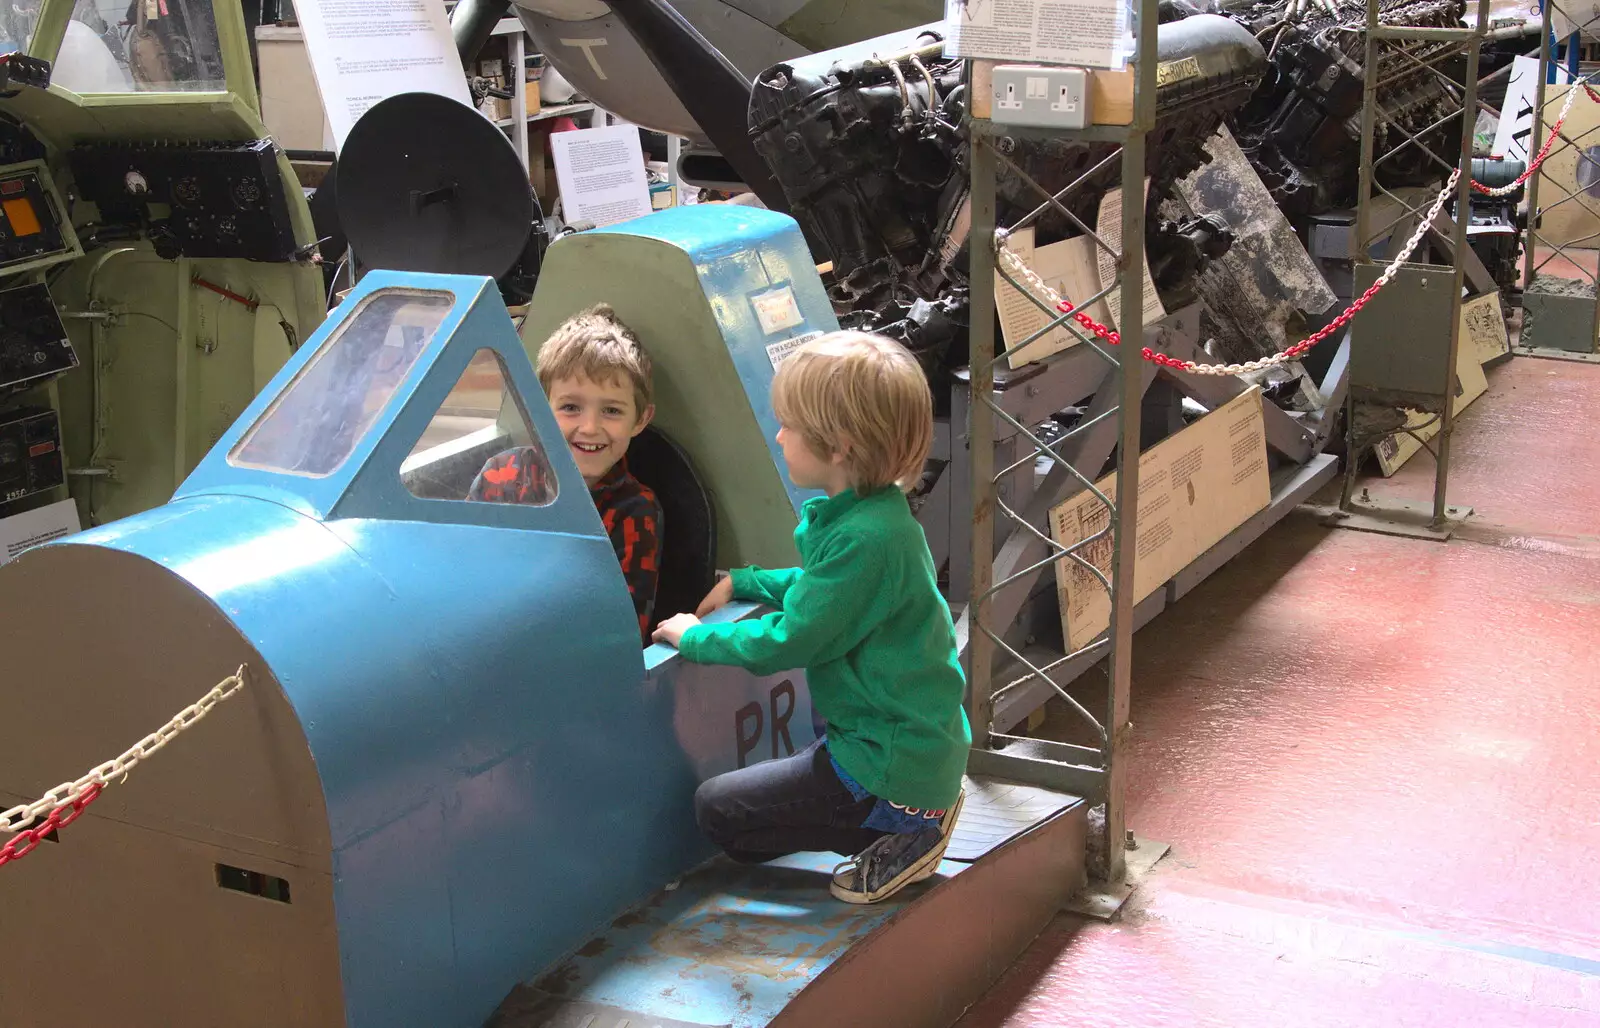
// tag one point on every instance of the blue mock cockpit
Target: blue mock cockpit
(451, 757)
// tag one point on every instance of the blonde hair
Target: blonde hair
(594, 344)
(861, 395)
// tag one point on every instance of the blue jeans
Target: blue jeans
(793, 805)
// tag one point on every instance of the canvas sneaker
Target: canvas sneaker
(895, 861)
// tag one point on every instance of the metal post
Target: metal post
(1535, 139)
(980, 438)
(1469, 106)
(1369, 110)
(1439, 524)
(1550, 67)
(1094, 772)
(1131, 395)
(1361, 245)
(674, 180)
(519, 87)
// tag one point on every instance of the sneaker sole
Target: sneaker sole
(924, 868)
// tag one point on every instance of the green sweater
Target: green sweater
(864, 617)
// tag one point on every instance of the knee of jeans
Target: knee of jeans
(709, 812)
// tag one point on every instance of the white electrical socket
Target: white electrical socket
(1041, 96)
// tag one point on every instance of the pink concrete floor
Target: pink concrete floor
(1377, 761)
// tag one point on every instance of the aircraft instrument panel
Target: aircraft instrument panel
(33, 341)
(222, 199)
(32, 231)
(30, 452)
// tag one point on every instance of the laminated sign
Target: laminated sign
(1195, 487)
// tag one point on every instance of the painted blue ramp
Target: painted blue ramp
(735, 945)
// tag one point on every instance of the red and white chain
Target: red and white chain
(1103, 332)
(1544, 151)
(66, 801)
(1018, 266)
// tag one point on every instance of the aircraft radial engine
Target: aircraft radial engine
(1302, 130)
(874, 169)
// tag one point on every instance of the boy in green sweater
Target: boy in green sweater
(864, 617)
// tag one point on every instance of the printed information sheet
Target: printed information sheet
(22, 531)
(365, 51)
(601, 174)
(1068, 267)
(1110, 229)
(1086, 33)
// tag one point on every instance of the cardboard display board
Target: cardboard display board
(1067, 267)
(1109, 226)
(1483, 328)
(1483, 338)
(1076, 269)
(1195, 487)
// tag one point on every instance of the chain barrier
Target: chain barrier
(1544, 151)
(66, 802)
(1102, 332)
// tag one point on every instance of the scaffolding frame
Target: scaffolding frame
(1406, 41)
(1097, 773)
(1549, 69)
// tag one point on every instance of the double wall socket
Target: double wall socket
(1041, 95)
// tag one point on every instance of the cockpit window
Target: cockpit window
(144, 46)
(480, 446)
(17, 20)
(312, 428)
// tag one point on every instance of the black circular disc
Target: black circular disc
(426, 183)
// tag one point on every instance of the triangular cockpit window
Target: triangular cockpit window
(322, 415)
(480, 446)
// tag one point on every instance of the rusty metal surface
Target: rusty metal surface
(731, 945)
(528, 1007)
(737, 945)
(1258, 293)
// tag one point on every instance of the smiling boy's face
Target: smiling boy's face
(598, 421)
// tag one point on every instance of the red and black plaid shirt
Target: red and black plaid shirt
(627, 507)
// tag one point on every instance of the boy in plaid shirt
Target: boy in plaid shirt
(598, 380)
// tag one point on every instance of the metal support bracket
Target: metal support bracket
(1386, 516)
(1546, 353)
(1103, 901)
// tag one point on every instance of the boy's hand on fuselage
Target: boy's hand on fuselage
(720, 596)
(672, 629)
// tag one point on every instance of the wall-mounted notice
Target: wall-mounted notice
(365, 51)
(601, 174)
(1085, 33)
